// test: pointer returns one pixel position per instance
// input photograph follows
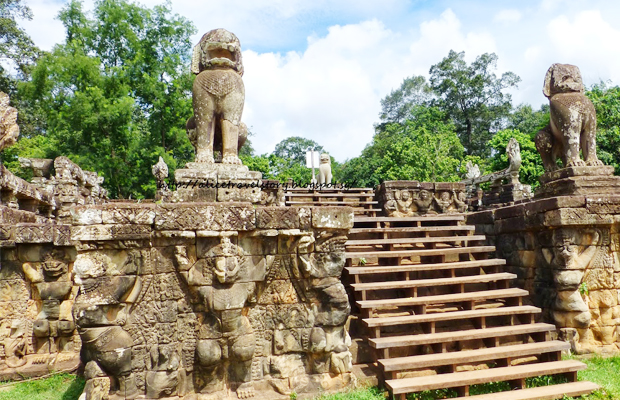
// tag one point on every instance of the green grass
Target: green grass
(58, 387)
(603, 371)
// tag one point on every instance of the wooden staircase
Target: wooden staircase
(439, 312)
(361, 199)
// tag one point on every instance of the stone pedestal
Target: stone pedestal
(579, 181)
(200, 182)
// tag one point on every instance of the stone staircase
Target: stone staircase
(361, 199)
(440, 313)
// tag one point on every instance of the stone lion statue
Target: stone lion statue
(218, 98)
(573, 121)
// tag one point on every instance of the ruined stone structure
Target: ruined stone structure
(565, 244)
(409, 198)
(500, 193)
(213, 292)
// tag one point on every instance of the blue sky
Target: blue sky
(319, 68)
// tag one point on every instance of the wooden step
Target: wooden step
(448, 316)
(421, 252)
(338, 203)
(571, 389)
(455, 228)
(410, 240)
(343, 195)
(467, 378)
(433, 282)
(472, 356)
(470, 334)
(382, 269)
(422, 218)
(444, 298)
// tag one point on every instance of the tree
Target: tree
(293, 149)
(526, 120)
(425, 147)
(16, 47)
(473, 97)
(606, 101)
(117, 93)
(397, 106)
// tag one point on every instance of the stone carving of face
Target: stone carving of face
(424, 194)
(226, 263)
(445, 196)
(405, 195)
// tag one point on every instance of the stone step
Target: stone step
(468, 378)
(429, 218)
(455, 228)
(411, 240)
(449, 316)
(457, 336)
(444, 298)
(421, 252)
(382, 269)
(571, 389)
(433, 282)
(472, 356)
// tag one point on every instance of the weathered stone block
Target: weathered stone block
(332, 217)
(85, 215)
(33, 233)
(277, 218)
(119, 213)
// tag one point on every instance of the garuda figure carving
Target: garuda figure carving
(573, 121)
(218, 97)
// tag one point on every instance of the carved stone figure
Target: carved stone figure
(218, 97)
(473, 170)
(424, 201)
(9, 131)
(226, 300)
(325, 169)
(160, 171)
(573, 121)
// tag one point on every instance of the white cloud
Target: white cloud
(329, 88)
(511, 15)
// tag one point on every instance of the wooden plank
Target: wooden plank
(420, 252)
(470, 334)
(424, 267)
(448, 316)
(471, 356)
(444, 298)
(421, 218)
(468, 378)
(434, 239)
(433, 282)
(320, 202)
(320, 194)
(571, 389)
(454, 228)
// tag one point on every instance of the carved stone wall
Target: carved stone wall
(409, 198)
(566, 252)
(186, 299)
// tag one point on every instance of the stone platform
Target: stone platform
(578, 181)
(217, 182)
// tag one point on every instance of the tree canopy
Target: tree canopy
(473, 97)
(116, 94)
